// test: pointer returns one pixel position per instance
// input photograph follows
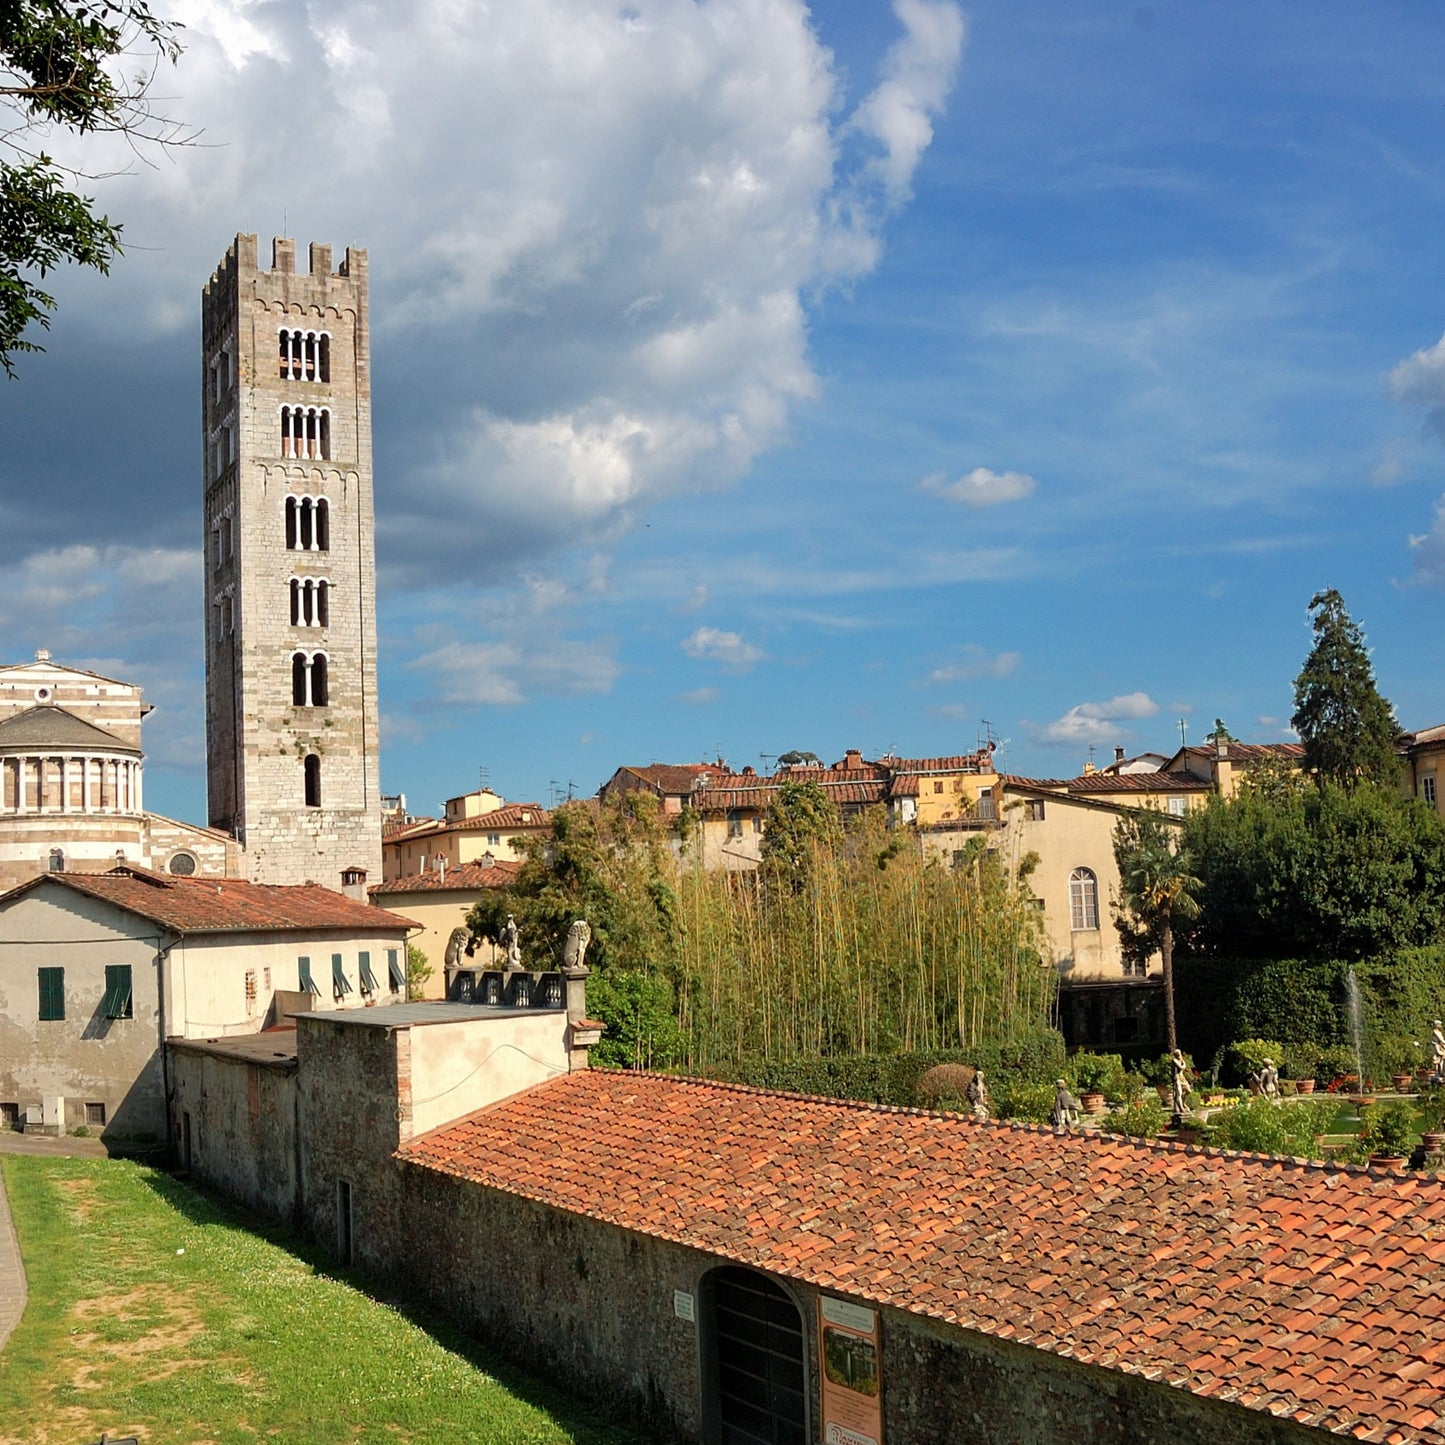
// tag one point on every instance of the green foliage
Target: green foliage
(1303, 1003)
(1097, 1074)
(59, 66)
(1261, 1126)
(1430, 1106)
(1389, 1129)
(1028, 1103)
(1157, 890)
(1347, 728)
(1141, 1118)
(801, 827)
(1246, 1056)
(944, 1086)
(418, 970)
(1036, 1058)
(641, 1017)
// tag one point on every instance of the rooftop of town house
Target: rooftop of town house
(979, 762)
(272, 1048)
(1312, 1292)
(414, 1015)
(48, 725)
(669, 779)
(1160, 782)
(221, 905)
(458, 876)
(1239, 753)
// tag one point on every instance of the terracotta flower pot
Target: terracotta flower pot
(1433, 1140)
(1391, 1163)
(1360, 1100)
(1092, 1103)
(1401, 1082)
(1304, 1086)
(1424, 1075)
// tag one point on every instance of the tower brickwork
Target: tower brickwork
(290, 569)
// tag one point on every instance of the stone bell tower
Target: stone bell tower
(290, 570)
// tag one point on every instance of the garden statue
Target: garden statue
(977, 1094)
(1269, 1080)
(510, 946)
(1066, 1110)
(1179, 1080)
(1437, 1051)
(459, 944)
(575, 948)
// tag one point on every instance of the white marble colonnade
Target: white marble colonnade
(46, 782)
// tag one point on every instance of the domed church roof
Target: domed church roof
(51, 727)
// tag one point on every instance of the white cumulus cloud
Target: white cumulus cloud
(714, 645)
(975, 661)
(982, 487)
(1097, 722)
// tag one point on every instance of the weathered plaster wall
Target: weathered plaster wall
(83, 1057)
(242, 1126)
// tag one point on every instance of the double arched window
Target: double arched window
(1083, 900)
(308, 679)
(310, 602)
(306, 433)
(304, 355)
(308, 524)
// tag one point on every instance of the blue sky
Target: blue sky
(750, 378)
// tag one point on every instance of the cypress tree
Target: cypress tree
(1348, 729)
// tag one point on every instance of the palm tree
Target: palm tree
(1155, 888)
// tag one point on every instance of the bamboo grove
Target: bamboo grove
(842, 942)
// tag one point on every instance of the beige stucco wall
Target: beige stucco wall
(438, 913)
(82, 1058)
(945, 796)
(457, 1068)
(207, 976)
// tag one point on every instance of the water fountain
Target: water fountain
(1357, 1025)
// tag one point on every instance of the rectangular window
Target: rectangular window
(266, 979)
(340, 986)
(308, 984)
(117, 1001)
(1177, 807)
(393, 970)
(52, 994)
(1034, 810)
(250, 990)
(368, 978)
(1427, 788)
(938, 787)
(95, 1115)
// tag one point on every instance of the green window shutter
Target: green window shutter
(368, 978)
(339, 986)
(117, 1002)
(308, 984)
(394, 974)
(52, 994)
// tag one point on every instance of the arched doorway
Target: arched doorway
(756, 1376)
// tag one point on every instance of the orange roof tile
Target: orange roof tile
(463, 876)
(509, 815)
(222, 905)
(1233, 1276)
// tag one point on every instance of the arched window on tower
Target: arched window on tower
(323, 524)
(299, 670)
(293, 527)
(311, 771)
(321, 612)
(295, 604)
(320, 695)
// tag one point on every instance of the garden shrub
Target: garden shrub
(944, 1082)
(1246, 1056)
(1028, 1103)
(1141, 1118)
(1261, 1126)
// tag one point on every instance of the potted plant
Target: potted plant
(1094, 1076)
(1431, 1108)
(1297, 1062)
(1389, 1132)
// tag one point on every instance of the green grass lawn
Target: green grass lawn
(155, 1311)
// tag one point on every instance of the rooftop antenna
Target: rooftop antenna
(482, 777)
(554, 791)
(1181, 733)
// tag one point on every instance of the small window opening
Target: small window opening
(57, 861)
(312, 772)
(320, 695)
(95, 1115)
(298, 679)
(117, 1003)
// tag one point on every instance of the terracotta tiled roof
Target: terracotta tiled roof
(1052, 785)
(393, 829)
(223, 905)
(1139, 783)
(510, 815)
(845, 788)
(959, 763)
(1246, 753)
(672, 779)
(1309, 1292)
(903, 785)
(464, 875)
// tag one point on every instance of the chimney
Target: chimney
(1118, 753)
(853, 758)
(353, 883)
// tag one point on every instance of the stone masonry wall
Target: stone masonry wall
(257, 738)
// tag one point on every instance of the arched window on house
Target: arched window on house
(57, 861)
(1083, 900)
(311, 773)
